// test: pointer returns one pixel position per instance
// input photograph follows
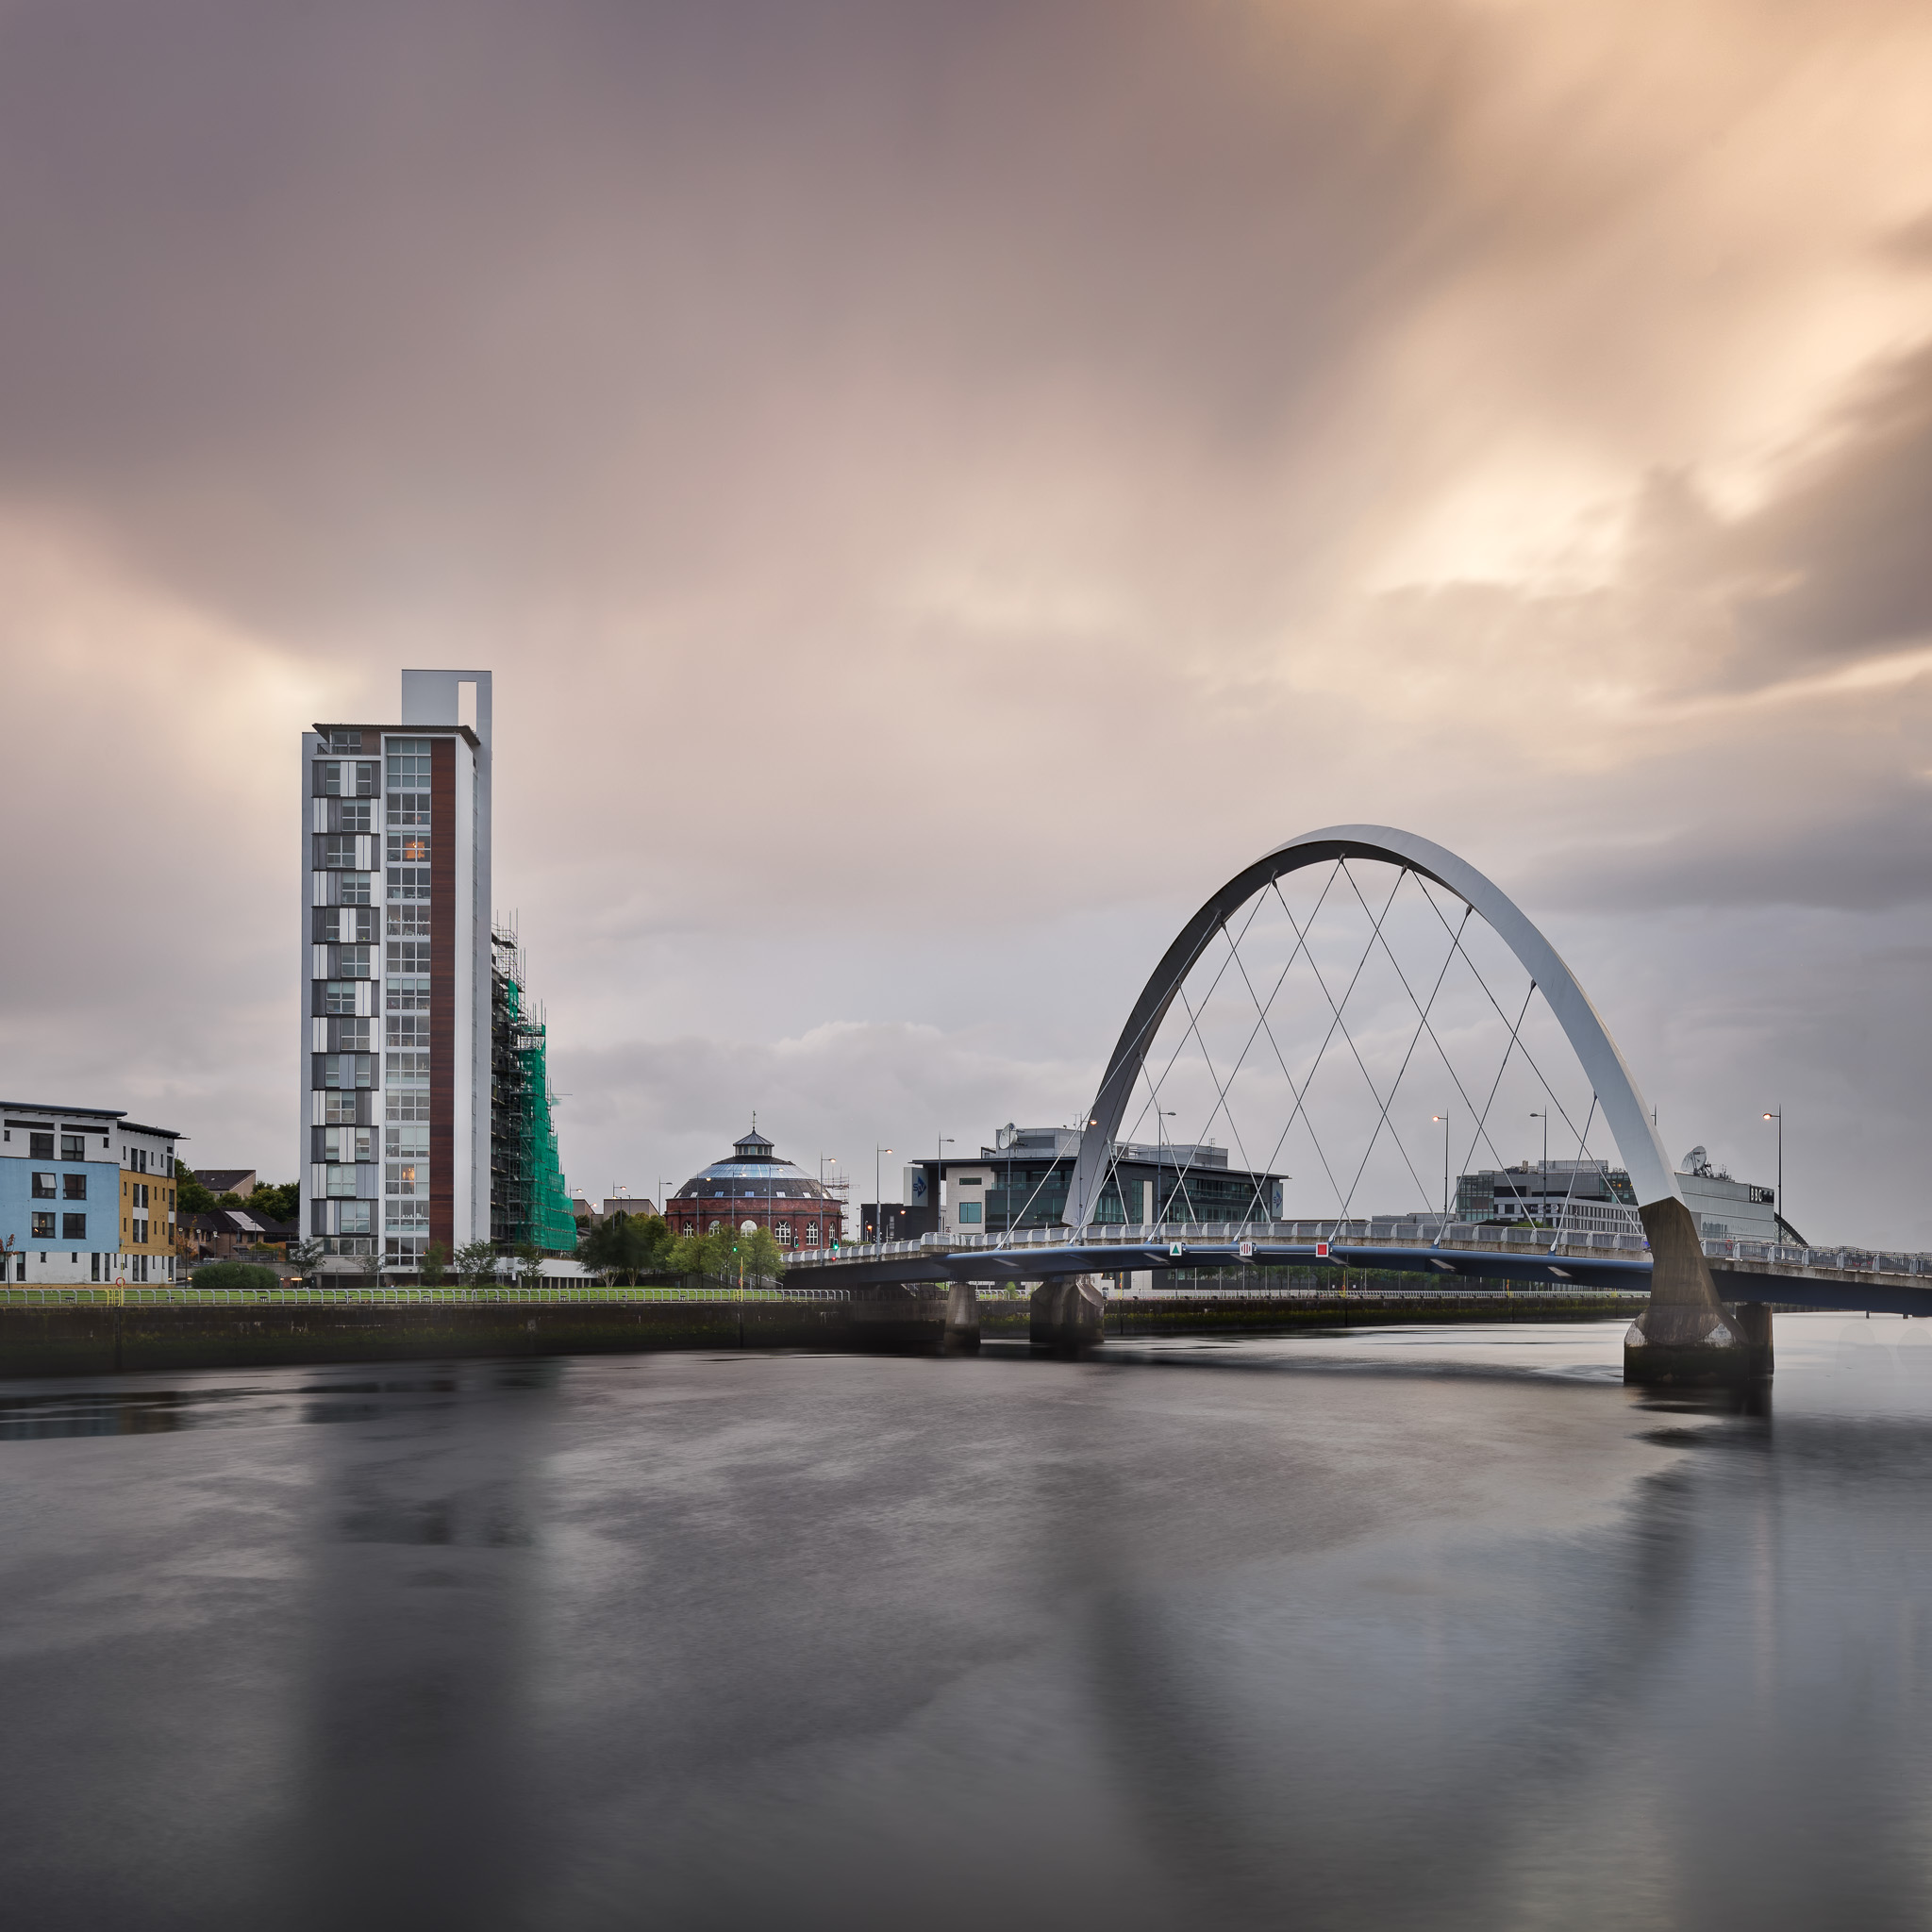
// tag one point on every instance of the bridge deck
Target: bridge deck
(1746, 1271)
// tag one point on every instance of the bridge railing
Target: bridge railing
(1377, 1231)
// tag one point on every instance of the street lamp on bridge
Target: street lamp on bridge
(1444, 1119)
(1777, 1213)
(1545, 1171)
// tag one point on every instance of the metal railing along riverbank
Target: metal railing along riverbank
(84, 1296)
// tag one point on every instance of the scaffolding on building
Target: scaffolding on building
(529, 1203)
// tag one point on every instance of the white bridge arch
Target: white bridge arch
(1652, 1176)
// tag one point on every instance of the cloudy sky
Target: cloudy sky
(941, 487)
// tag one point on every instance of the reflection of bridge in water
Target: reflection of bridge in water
(1708, 1316)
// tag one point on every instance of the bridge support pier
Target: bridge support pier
(1687, 1338)
(961, 1332)
(1068, 1316)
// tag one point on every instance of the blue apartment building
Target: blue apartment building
(86, 1196)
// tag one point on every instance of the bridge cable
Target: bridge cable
(1549, 1092)
(1334, 1024)
(1110, 1172)
(1340, 1026)
(1234, 953)
(1344, 1199)
(1449, 1066)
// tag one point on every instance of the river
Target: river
(1396, 1628)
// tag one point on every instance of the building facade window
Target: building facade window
(43, 1187)
(40, 1146)
(340, 1182)
(406, 922)
(408, 882)
(74, 1187)
(74, 1227)
(346, 740)
(339, 996)
(43, 1227)
(73, 1147)
(408, 848)
(339, 852)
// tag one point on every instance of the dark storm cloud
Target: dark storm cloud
(314, 303)
(1846, 546)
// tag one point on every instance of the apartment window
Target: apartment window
(407, 808)
(407, 921)
(351, 1036)
(404, 1214)
(412, 957)
(74, 1187)
(354, 1217)
(407, 993)
(353, 889)
(347, 924)
(408, 1069)
(339, 996)
(44, 1188)
(339, 1107)
(348, 1143)
(357, 962)
(39, 1147)
(408, 882)
(339, 851)
(346, 740)
(339, 1181)
(408, 764)
(408, 1106)
(401, 1176)
(408, 848)
(74, 1227)
(328, 778)
(95, 1258)
(410, 1030)
(73, 1147)
(346, 1070)
(365, 781)
(406, 1142)
(356, 815)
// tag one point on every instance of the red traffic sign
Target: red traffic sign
(1320, 1250)
(1247, 1251)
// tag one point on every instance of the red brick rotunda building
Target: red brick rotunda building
(755, 1187)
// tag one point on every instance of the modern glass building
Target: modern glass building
(1022, 1181)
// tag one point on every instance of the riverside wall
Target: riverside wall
(93, 1337)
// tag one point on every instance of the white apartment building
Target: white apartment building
(394, 1086)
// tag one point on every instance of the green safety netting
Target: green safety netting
(529, 1202)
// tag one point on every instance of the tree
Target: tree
(306, 1258)
(528, 1258)
(475, 1262)
(628, 1244)
(282, 1202)
(730, 1256)
(190, 1197)
(435, 1260)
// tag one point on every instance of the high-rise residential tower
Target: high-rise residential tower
(395, 978)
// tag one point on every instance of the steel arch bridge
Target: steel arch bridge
(1688, 1330)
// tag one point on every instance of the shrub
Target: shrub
(229, 1276)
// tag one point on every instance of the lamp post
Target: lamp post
(939, 1178)
(1161, 1116)
(878, 1199)
(1777, 1213)
(1444, 1119)
(1545, 1171)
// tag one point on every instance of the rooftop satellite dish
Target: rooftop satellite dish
(1004, 1137)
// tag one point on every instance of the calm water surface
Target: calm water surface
(1387, 1629)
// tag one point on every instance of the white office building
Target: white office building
(394, 970)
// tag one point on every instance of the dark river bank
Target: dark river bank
(1438, 1628)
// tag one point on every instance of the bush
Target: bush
(230, 1276)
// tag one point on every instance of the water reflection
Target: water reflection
(1377, 1629)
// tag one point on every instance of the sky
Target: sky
(939, 489)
